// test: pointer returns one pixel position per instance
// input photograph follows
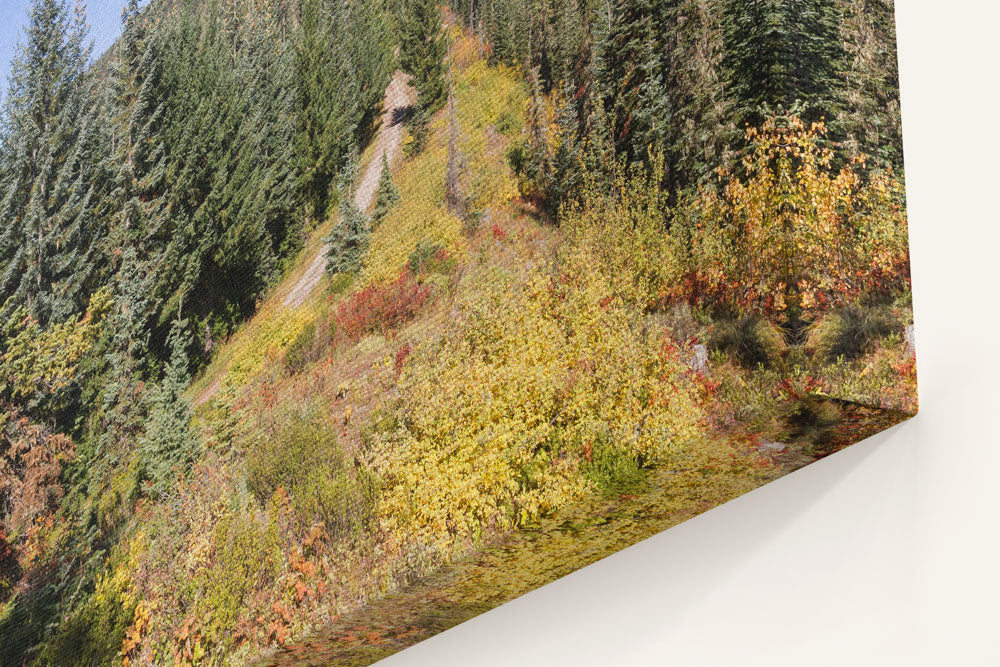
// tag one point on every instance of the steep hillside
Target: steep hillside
(472, 296)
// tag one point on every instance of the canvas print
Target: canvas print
(327, 325)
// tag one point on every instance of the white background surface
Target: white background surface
(887, 553)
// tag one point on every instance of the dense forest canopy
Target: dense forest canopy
(736, 159)
(150, 199)
(686, 77)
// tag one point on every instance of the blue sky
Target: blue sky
(104, 17)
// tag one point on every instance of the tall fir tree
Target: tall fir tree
(348, 240)
(631, 70)
(422, 52)
(782, 54)
(138, 227)
(170, 445)
(871, 116)
(49, 239)
(371, 45)
(329, 110)
(386, 195)
(351, 233)
(701, 131)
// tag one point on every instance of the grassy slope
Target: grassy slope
(471, 391)
(349, 380)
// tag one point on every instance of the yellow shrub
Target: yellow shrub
(626, 237)
(97, 632)
(796, 233)
(497, 418)
(482, 95)
(266, 337)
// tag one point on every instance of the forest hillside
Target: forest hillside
(305, 302)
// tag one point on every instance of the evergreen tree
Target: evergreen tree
(348, 240)
(701, 131)
(504, 22)
(49, 239)
(782, 54)
(532, 158)
(371, 45)
(329, 111)
(231, 163)
(170, 445)
(631, 72)
(871, 119)
(120, 405)
(140, 154)
(387, 194)
(566, 160)
(567, 43)
(422, 52)
(137, 198)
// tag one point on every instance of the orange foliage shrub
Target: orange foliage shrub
(795, 232)
(31, 462)
(9, 567)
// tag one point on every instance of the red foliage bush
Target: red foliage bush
(381, 308)
(401, 354)
(9, 571)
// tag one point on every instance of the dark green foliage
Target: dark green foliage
(120, 408)
(10, 569)
(170, 445)
(422, 52)
(137, 197)
(343, 64)
(531, 159)
(371, 43)
(136, 209)
(682, 78)
(49, 149)
(548, 176)
(508, 123)
(329, 113)
(229, 94)
(386, 196)
(782, 53)
(305, 460)
(631, 69)
(348, 239)
(554, 36)
(871, 120)
(660, 81)
(701, 130)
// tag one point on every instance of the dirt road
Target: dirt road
(398, 96)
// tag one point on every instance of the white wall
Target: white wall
(885, 554)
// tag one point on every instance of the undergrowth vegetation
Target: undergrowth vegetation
(299, 452)
(479, 360)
